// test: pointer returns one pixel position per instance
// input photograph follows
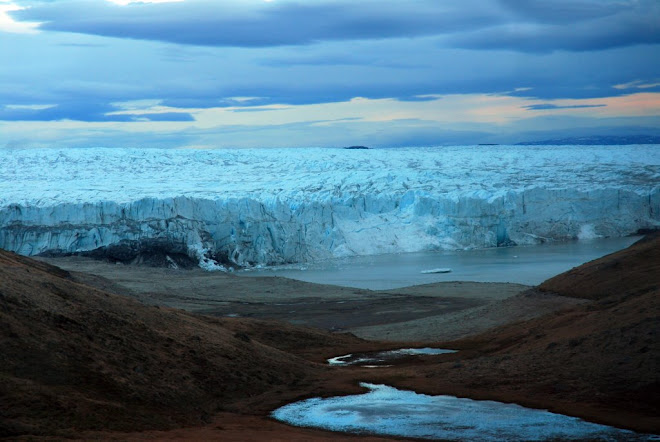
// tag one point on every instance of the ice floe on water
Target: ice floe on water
(438, 270)
(387, 411)
(377, 358)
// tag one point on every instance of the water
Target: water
(385, 356)
(388, 411)
(529, 265)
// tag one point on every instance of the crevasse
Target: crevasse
(264, 206)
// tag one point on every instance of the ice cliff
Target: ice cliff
(271, 206)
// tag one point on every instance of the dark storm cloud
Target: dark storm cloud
(528, 26)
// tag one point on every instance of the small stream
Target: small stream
(388, 411)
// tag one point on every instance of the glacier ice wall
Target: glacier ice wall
(264, 206)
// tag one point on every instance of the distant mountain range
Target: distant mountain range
(598, 140)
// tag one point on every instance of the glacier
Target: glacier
(251, 207)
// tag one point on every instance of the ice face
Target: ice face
(274, 206)
(388, 411)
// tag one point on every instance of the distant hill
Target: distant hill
(597, 140)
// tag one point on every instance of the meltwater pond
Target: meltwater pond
(388, 411)
(529, 265)
(378, 358)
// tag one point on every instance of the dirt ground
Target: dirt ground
(81, 360)
(429, 312)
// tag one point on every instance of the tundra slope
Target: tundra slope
(274, 206)
(75, 358)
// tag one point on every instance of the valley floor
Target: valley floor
(431, 312)
(591, 356)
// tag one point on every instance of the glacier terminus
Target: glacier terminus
(251, 207)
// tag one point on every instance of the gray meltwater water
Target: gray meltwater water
(529, 265)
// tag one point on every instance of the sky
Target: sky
(285, 73)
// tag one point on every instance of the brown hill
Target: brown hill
(73, 357)
(77, 358)
(599, 360)
(629, 271)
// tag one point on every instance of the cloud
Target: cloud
(28, 107)
(8, 24)
(128, 2)
(342, 59)
(85, 112)
(527, 26)
(419, 98)
(89, 82)
(637, 84)
(260, 109)
(198, 69)
(224, 23)
(408, 132)
(65, 111)
(549, 106)
(548, 38)
(549, 27)
(164, 116)
(564, 11)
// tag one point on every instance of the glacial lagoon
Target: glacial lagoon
(529, 265)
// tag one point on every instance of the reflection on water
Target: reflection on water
(388, 411)
(380, 357)
(522, 264)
